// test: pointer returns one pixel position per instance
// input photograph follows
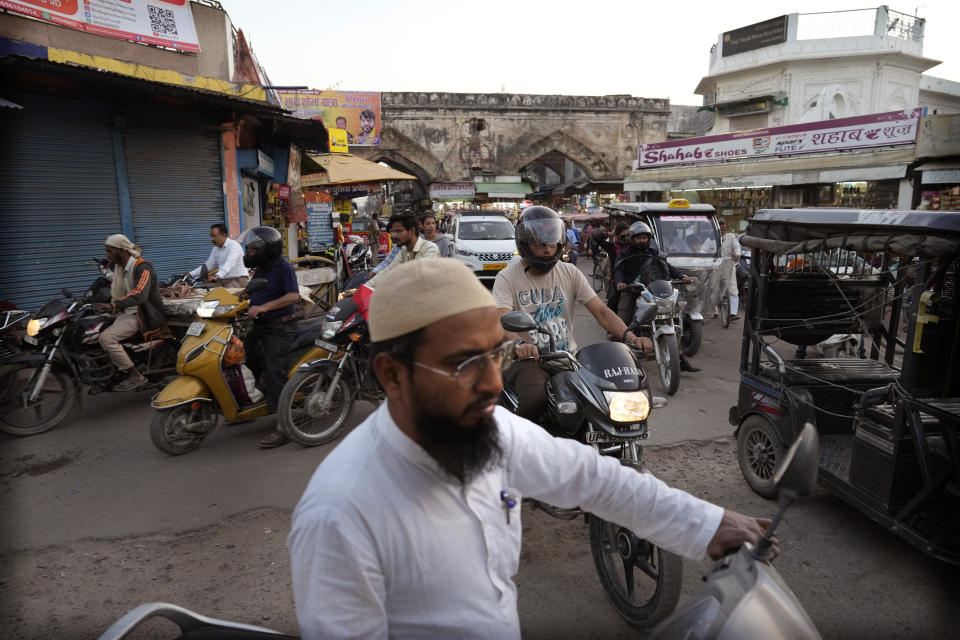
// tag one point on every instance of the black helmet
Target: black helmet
(264, 245)
(640, 228)
(539, 225)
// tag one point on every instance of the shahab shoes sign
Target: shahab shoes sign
(876, 130)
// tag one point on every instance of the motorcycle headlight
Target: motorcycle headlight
(463, 251)
(34, 326)
(628, 406)
(330, 328)
(664, 305)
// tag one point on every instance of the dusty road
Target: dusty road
(97, 521)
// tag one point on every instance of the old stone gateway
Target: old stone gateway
(544, 140)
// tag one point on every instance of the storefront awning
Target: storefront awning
(818, 169)
(345, 168)
(510, 190)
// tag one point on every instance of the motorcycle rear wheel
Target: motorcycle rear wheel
(168, 428)
(299, 410)
(725, 311)
(49, 410)
(669, 363)
(642, 580)
(692, 336)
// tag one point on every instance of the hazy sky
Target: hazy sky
(590, 47)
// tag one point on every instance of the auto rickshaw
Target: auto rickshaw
(888, 420)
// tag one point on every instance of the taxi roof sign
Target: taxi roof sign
(679, 203)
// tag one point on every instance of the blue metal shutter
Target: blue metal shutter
(59, 198)
(176, 193)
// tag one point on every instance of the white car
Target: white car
(484, 243)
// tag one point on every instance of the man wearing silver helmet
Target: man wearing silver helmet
(547, 289)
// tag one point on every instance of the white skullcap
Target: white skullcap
(419, 293)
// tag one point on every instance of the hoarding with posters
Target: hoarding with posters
(165, 23)
(875, 130)
(357, 112)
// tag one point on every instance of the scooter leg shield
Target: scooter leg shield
(183, 389)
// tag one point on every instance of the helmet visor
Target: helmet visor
(541, 231)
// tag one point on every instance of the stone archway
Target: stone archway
(398, 148)
(591, 162)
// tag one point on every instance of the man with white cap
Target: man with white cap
(404, 529)
(135, 297)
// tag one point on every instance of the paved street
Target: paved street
(97, 521)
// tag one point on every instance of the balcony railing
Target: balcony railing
(859, 22)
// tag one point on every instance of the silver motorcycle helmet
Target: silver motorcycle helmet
(640, 228)
(539, 226)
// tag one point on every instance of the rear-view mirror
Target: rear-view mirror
(517, 321)
(255, 285)
(798, 471)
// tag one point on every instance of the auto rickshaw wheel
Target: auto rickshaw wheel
(759, 451)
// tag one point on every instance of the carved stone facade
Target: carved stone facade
(449, 137)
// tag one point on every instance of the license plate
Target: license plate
(195, 329)
(329, 346)
(497, 266)
(29, 339)
(601, 436)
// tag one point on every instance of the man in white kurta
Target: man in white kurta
(729, 257)
(401, 533)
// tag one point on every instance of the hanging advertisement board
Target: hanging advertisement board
(165, 23)
(319, 220)
(356, 112)
(452, 190)
(876, 130)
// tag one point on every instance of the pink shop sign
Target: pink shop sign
(875, 130)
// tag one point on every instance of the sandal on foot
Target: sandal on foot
(130, 384)
(274, 439)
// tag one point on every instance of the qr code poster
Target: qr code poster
(165, 23)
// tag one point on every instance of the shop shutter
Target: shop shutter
(176, 193)
(753, 121)
(59, 198)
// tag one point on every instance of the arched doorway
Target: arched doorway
(411, 191)
(553, 172)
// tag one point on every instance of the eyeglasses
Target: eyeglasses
(468, 372)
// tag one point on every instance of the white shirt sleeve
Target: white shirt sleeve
(211, 263)
(334, 562)
(567, 474)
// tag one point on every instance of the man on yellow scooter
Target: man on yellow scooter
(272, 310)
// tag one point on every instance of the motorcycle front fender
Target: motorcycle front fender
(321, 365)
(695, 316)
(181, 391)
(665, 330)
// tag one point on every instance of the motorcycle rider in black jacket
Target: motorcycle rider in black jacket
(642, 260)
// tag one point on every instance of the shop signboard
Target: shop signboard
(165, 23)
(755, 36)
(357, 112)
(338, 140)
(452, 190)
(319, 220)
(939, 136)
(943, 176)
(348, 191)
(875, 130)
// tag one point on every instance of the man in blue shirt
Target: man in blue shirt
(573, 241)
(272, 308)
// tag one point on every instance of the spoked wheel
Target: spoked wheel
(301, 410)
(599, 277)
(725, 311)
(181, 429)
(642, 580)
(669, 363)
(759, 450)
(19, 416)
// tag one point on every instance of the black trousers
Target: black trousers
(268, 348)
(529, 382)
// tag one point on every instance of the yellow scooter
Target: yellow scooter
(213, 381)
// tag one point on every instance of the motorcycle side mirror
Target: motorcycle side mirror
(66, 293)
(204, 272)
(255, 285)
(645, 313)
(798, 471)
(518, 321)
(659, 402)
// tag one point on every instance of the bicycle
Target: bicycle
(599, 274)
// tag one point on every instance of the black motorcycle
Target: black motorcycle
(11, 328)
(601, 397)
(67, 363)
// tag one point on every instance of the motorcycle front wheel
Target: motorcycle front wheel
(669, 363)
(642, 580)
(692, 336)
(301, 413)
(19, 416)
(181, 429)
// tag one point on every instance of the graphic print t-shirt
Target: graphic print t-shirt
(550, 299)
